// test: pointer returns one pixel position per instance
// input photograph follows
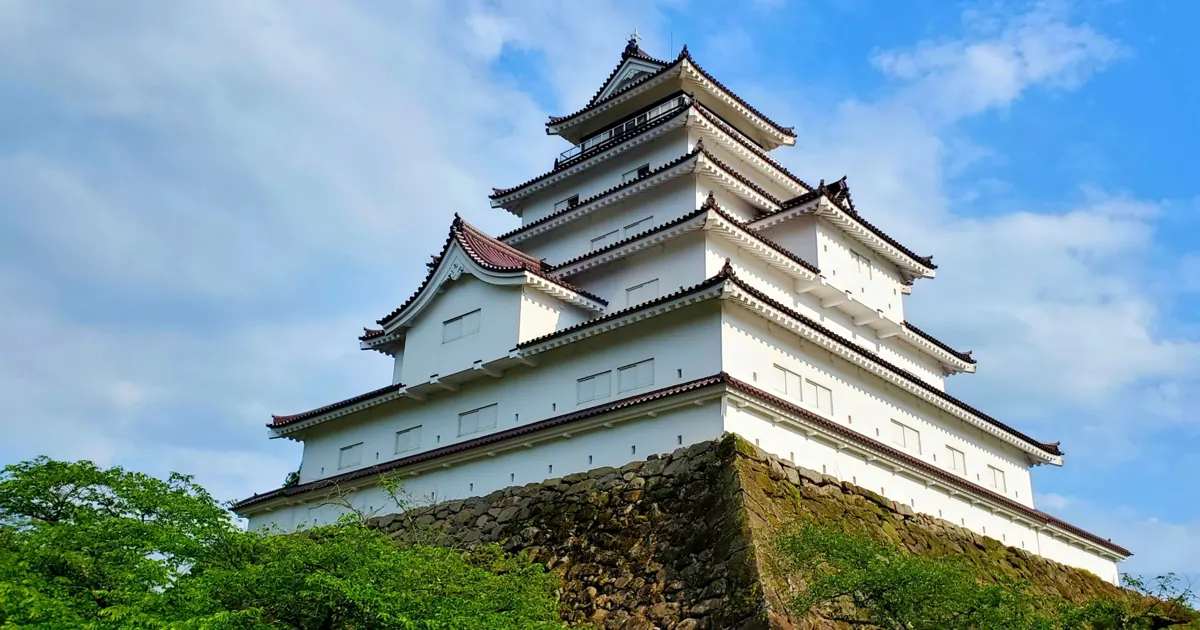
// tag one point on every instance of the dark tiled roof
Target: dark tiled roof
(684, 219)
(707, 284)
(738, 176)
(600, 148)
(965, 356)
(721, 379)
(948, 477)
(1051, 448)
(683, 54)
(486, 440)
(279, 421)
(837, 193)
(757, 150)
(632, 51)
(583, 202)
(490, 254)
(371, 333)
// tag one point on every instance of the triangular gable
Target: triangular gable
(469, 250)
(634, 65)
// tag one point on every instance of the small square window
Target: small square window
(906, 437)
(350, 456)
(640, 374)
(460, 326)
(593, 387)
(640, 171)
(997, 479)
(958, 460)
(477, 420)
(818, 396)
(408, 440)
(569, 202)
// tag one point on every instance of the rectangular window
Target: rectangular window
(460, 326)
(997, 476)
(637, 375)
(640, 171)
(906, 437)
(818, 396)
(408, 439)
(639, 226)
(594, 386)
(350, 456)
(863, 263)
(605, 239)
(958, 460)
(569, 202)
(787, 382)
(477, 420)
(641, 293)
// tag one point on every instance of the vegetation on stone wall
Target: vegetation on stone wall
(867, 583)
(84, 547)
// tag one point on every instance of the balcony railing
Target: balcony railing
(625, 128)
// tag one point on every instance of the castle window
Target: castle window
(640, 171)
(605, 239)
(569, 202)
(787, 382)
(594, 386)
(958, 461)
(906, 437)
(639, 374)
(818, 396)
(638, 226)
(863, 263)
(997, 478)
(350, 456)
(477, 420)
(641, 293)
(408, 439)
(460, 326)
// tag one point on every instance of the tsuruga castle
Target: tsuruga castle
(670, 282)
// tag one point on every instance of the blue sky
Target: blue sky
(202, 203)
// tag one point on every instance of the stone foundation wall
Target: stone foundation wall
(680, 541)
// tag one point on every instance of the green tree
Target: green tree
(866, 583)
(84, 547)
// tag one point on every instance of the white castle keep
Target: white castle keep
(671, 282)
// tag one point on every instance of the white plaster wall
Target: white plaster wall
(398, 367)
(676, 263)
(425, 352)
(605, 175)
(664, 203)
(784, 440)
(882, 290)
(743, 168)
(781, 287)
(685, 345)
(864, 402)
(798, 235)
(726, 200)
(542, 314)
(626, 441)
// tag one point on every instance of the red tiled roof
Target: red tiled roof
(683, 54)
(698, 150)
(600, 195)
(754, 148)
(727, 273)
(279, 421)
(720, 379)
(492, 438)
(1051, 448)
(631, 52)
(600, 148)
(965, 356)
(948, 477)
(838, 192)
(490, 254)
(684, 219)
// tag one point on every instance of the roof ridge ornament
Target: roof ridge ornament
(631, 47)
(710, 202)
